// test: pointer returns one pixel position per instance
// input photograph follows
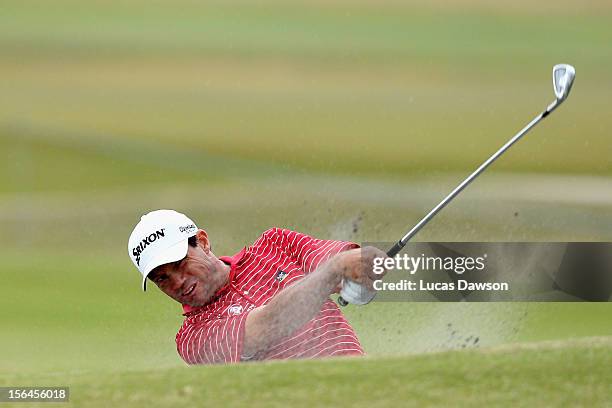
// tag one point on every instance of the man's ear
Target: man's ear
(203, 241)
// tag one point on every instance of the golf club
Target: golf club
(563, 79)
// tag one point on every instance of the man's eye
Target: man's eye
(160, 278)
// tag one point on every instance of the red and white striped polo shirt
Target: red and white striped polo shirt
(214, 333)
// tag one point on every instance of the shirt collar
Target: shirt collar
(232, 261)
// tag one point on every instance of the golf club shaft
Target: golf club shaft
(402, 242)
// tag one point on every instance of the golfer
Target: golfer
(268, 301)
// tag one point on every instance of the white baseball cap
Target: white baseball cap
(159, 238)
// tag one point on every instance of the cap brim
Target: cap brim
(173, 253)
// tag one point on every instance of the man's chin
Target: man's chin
(196, 302)
(193, 303)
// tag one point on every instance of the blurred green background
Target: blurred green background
(341, 119)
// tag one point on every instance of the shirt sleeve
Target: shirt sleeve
(211, 341)
(309, 252)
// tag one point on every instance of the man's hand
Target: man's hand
(358, 265)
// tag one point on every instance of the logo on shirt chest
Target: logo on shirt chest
(280, 275)
(234, 310)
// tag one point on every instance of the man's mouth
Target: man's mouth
(190, 290)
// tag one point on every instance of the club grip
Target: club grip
(395, 249)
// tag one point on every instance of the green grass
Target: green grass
(343, 89)
(574, 373)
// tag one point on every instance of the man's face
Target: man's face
(193, 280)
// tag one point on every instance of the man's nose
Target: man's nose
(177, 282)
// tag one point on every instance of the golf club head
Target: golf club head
(563, 78)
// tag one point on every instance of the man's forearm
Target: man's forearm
(290, 309)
